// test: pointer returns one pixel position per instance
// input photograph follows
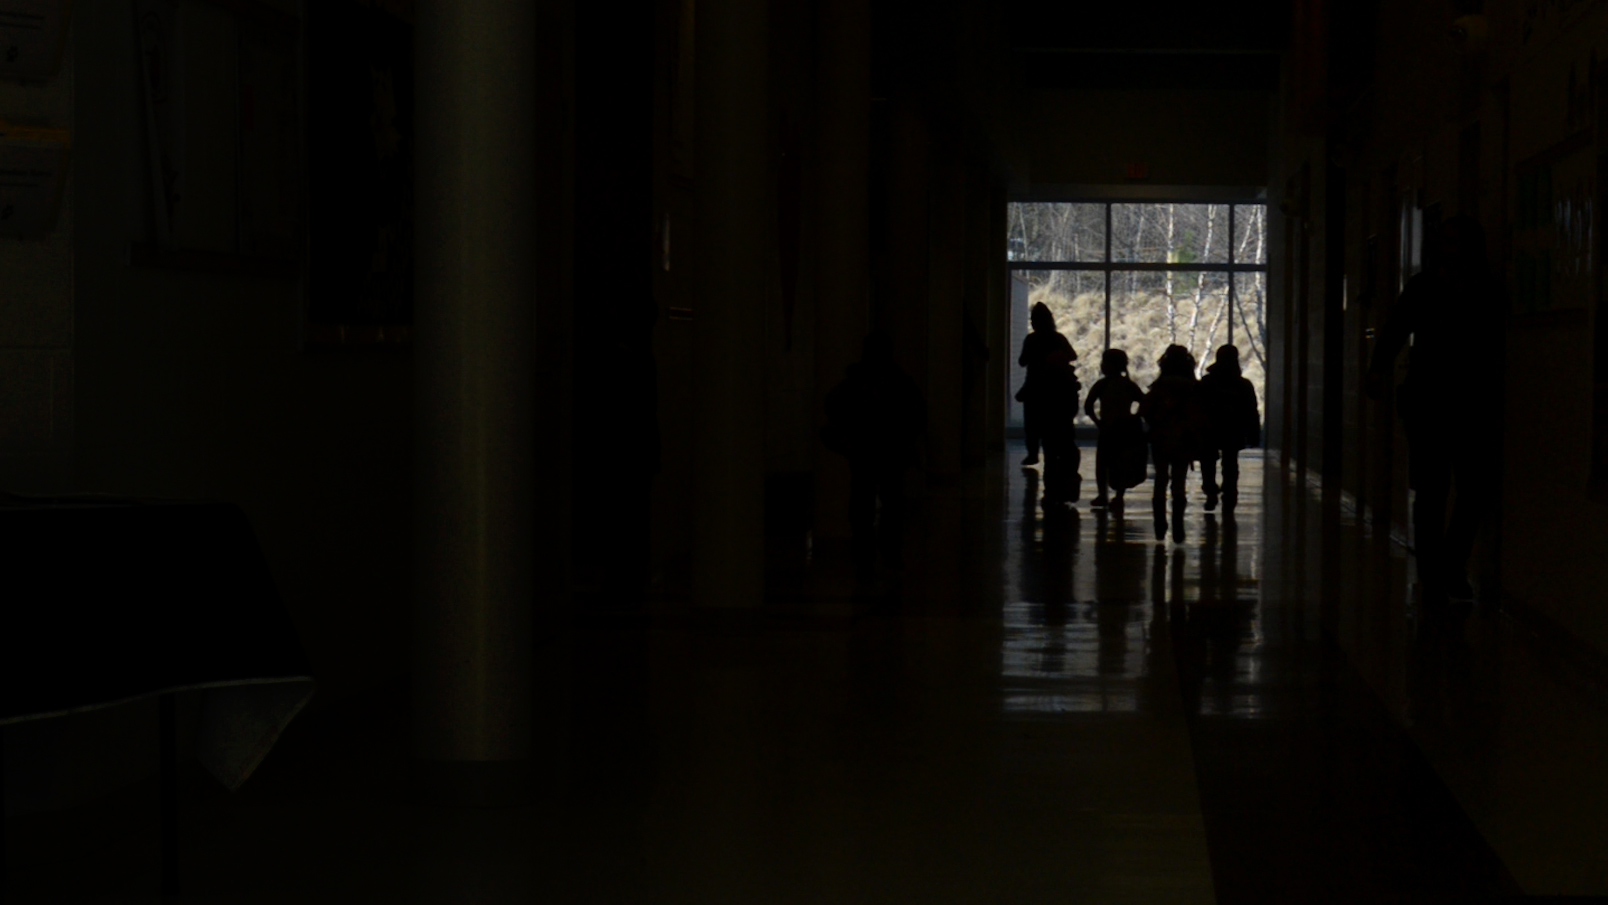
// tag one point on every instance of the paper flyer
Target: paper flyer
(33, 169)
(31, 37)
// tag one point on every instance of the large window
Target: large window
(1140, 276)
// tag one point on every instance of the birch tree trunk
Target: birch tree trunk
(1200, 363)
(1258, 335)
(1138, 233)
(1261, 293)
(1077, 250)
(1057, 247)
(1245, 237)
(1200, 281)
(1172, 305)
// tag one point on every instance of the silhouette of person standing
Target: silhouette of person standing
(1038, 393)
(1177, 422)
(875, 418)
(1452, 313)
(1056, 397)
(1119, 461)
(1233, 423)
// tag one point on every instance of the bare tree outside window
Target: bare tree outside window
(1250, 312)
(1169, 233)
(1077, 299)
(1250, 233)
(1167, 272)
(1052, 231)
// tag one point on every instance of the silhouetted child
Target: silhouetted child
(1056, 396)
(1037, 394)
(875, 419)
(1177, 422)
(1233, 423)
(1113, 402)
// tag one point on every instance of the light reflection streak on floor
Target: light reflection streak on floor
(1077, 628)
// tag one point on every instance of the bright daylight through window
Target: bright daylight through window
(1140, 277)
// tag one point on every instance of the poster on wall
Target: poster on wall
(1554, 227)
(1545, 20)
(32, 35)
(33, 169)
(360, 171)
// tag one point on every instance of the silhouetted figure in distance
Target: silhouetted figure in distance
(1233, 423)
(1177, 422)
(1452, 311)
(1037, 394)
(1113, 405)
(1056, 396)
(875, 418)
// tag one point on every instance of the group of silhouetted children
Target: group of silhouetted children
(876, 416)
(1450, 312)
(1181, 420)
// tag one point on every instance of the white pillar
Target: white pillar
(475, 186)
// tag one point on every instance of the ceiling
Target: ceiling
(1229, 26)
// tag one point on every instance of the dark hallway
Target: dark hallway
(1034, 711)
(765, 451)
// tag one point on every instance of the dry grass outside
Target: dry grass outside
(1140, 326)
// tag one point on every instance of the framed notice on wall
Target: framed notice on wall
(32, 34)
(360, 162)
(206, 69)
(1553, 228)
(33, 169)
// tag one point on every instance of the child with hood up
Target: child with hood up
(1233, 424)
(1177, 420)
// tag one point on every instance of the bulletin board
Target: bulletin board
(1554, 228)
(33, 170)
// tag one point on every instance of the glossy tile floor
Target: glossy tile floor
(1037, 710)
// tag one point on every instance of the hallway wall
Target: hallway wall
(192, 385)
(1421, 128)
(36, 315)
(1554, 526)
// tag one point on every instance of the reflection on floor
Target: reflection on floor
(1038, 709)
